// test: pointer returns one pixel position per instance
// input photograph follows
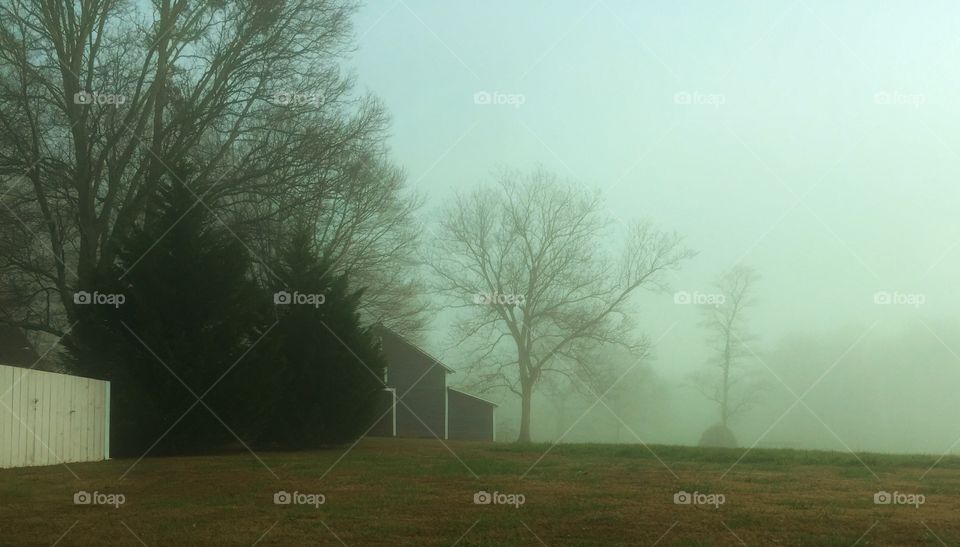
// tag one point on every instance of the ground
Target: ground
(421, 492)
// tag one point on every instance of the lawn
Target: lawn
(410, 492)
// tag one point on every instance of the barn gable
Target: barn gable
(420, 382)
(417, 402)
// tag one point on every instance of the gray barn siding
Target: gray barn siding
(384, 425)
(470, 419)
(421, 386)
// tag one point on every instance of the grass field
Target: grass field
(393, 492)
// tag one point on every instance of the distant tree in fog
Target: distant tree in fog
(622, 385)
(726, 381)
(532, 260)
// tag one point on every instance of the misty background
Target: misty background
(809, 141)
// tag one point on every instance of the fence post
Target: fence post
(106, 422)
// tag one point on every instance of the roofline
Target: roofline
(489, 402)
(420, 350)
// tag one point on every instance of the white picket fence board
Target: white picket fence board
(48, 418)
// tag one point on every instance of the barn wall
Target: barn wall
(421, 390)
(470, 418)
(384, 426)
(48, 418)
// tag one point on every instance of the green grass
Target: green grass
(755, 456)
(407, 492)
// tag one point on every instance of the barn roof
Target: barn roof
(489, 402)
(384, 330)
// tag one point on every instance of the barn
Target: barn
(417, 401)
(469, 418)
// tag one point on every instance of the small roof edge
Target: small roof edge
(488, 401)
(417, 348)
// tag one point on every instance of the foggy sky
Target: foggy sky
(811, 141)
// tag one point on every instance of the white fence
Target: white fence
(48, 418)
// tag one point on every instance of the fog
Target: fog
(810, 142)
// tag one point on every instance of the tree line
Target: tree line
(204, 159)
(197, 158)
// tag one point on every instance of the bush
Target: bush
(718, 435)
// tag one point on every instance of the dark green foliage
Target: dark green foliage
(190, 312)
(195, 324)
(328, 367)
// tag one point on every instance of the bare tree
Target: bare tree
(101, 100)
(617, 385)
(368, 230)
(531, 260)
(625, 385)
(727, 381)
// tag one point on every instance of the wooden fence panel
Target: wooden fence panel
(48, 418)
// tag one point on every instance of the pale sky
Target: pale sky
(810, 140)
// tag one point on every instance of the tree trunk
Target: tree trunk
(526, 396)
(561, 409)
(725, 408)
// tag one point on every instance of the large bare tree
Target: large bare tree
(727, 380)
(100, 100)
(533, 261)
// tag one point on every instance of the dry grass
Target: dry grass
(388, 492)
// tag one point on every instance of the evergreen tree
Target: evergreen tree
(329, 367)
(191, 311)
